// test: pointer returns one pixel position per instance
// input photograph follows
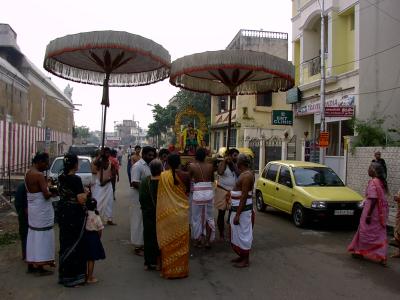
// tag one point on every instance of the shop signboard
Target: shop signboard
(293, 95)
(339, 111)
(324, 139)
(282, 117)
(312, 107)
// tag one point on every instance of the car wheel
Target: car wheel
(261, 206)
(299, 215)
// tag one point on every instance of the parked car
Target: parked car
(56, 168)
(84, 171)
(84, 150)
(306, 191)
(247, 151)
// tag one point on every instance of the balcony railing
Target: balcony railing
(310, 69)
(257, 34)
(314, 66)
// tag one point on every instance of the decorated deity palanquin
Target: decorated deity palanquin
(190, 138)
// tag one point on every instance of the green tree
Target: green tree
(200, 101)
(81, 132)
(370, 132)
(164, 117)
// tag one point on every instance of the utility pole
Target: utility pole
(138, 132)
(322, 90)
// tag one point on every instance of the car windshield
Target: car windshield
(83, 150)
(58, 165)
(316, 176)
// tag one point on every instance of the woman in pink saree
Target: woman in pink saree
(370, 240)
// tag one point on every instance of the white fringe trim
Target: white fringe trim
(68, 57)
(186, 72)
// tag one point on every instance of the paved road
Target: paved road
(286, 263)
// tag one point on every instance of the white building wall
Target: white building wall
(379, 30)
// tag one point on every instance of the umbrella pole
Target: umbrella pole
(231, 97)
(104, 126)
(106, 102)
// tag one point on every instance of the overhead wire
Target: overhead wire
(331, 19)
(383, 11)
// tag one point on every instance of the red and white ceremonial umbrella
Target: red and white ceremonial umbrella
(107, 58)
(232, 72)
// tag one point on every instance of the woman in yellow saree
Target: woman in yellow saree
(173, 220)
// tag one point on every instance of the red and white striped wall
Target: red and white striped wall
(18, 144)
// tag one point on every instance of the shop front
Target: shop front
(339, 110)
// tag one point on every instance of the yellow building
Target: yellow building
(252, 115)
(356, 72)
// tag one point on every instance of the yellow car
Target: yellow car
(306, 191)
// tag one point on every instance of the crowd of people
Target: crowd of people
(170, 204)
(81, 212)
(171, 201)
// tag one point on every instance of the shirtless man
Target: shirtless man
(40, 248)
(242, 214)
(202, 175)
(135, 157)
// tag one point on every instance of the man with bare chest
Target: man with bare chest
(40, 246)
(202, 175)
(242, 214)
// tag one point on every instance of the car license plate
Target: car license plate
(344, 212)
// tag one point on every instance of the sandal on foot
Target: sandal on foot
(241, 265)
(236, 260)
(43, 272)
(92, 280)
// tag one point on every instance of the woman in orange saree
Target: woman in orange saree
(173, 220)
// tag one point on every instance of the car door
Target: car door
(269, 183)
(85, 172)
(284, 190)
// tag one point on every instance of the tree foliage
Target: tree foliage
(200, 101)
(370, 132)
(81, 132)
(164, 117)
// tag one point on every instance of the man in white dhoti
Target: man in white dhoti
(242, 213)
(140, 170)
(203, 225)
(40, 242)
(227, 176)
(103, 191)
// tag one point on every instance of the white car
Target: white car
(84, 171)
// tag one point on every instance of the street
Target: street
(286, 263)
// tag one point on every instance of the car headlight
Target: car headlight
(318, 204)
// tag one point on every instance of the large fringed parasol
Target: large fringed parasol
(107, 58)
(232, 72)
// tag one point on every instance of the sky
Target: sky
(182, 27)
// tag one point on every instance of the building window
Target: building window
(232, 139)
(264, 99)
(222, 103)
